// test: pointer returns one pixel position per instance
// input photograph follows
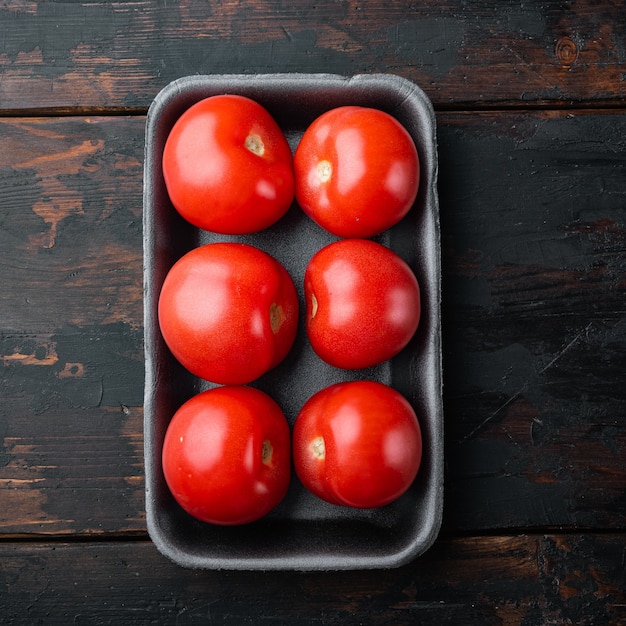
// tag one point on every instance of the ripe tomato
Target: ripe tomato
(357, 444)
(228, 167)
(228, 312)
(357, 171)
(226, 455)
(362, 301)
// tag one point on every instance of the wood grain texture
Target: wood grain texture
(540, 580)
(532, 137)
(534, 311)
(67, 56)
(534, 244)
(71, 221)
(71, 335)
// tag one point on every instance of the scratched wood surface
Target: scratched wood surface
(538, 579)
(532, 145)
(63, 55)
(533, 310)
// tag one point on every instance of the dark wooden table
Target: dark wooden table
(531, 110)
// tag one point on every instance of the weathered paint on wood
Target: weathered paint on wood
(534, 311)
(534, 322)
(71, 328)
(534, 249)
(532, 579)
(63, 55)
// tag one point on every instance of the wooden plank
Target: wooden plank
(534, 232)
(71, 335)
(536, 579)
(534, 313)
(71, 222)
(72, 471)
(120, 54)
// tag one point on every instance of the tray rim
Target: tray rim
(310, 81)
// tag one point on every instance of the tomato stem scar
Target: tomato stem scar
(277, 317)
(266, 452)
(255, 144)
(313, 305)
(318, 447)
(324, 171)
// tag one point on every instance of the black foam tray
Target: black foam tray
(302, 533)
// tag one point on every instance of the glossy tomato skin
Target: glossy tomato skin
(228, 167)
(362, 303)
(226, 455)
(357, 171)
(228, 312)
(357, 444)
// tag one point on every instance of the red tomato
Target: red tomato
(357, 171)
(363, 303)
(228, 167)
(228, 312)
(226, 455)
(357, 444)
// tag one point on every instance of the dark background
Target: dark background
(531, 113)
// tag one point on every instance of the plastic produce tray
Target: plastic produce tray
(303, 532)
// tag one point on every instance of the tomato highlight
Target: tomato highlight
(228, 167)
(357, 444)
(226, 455)
(363, 303)
(357, 171)
(228, 312)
